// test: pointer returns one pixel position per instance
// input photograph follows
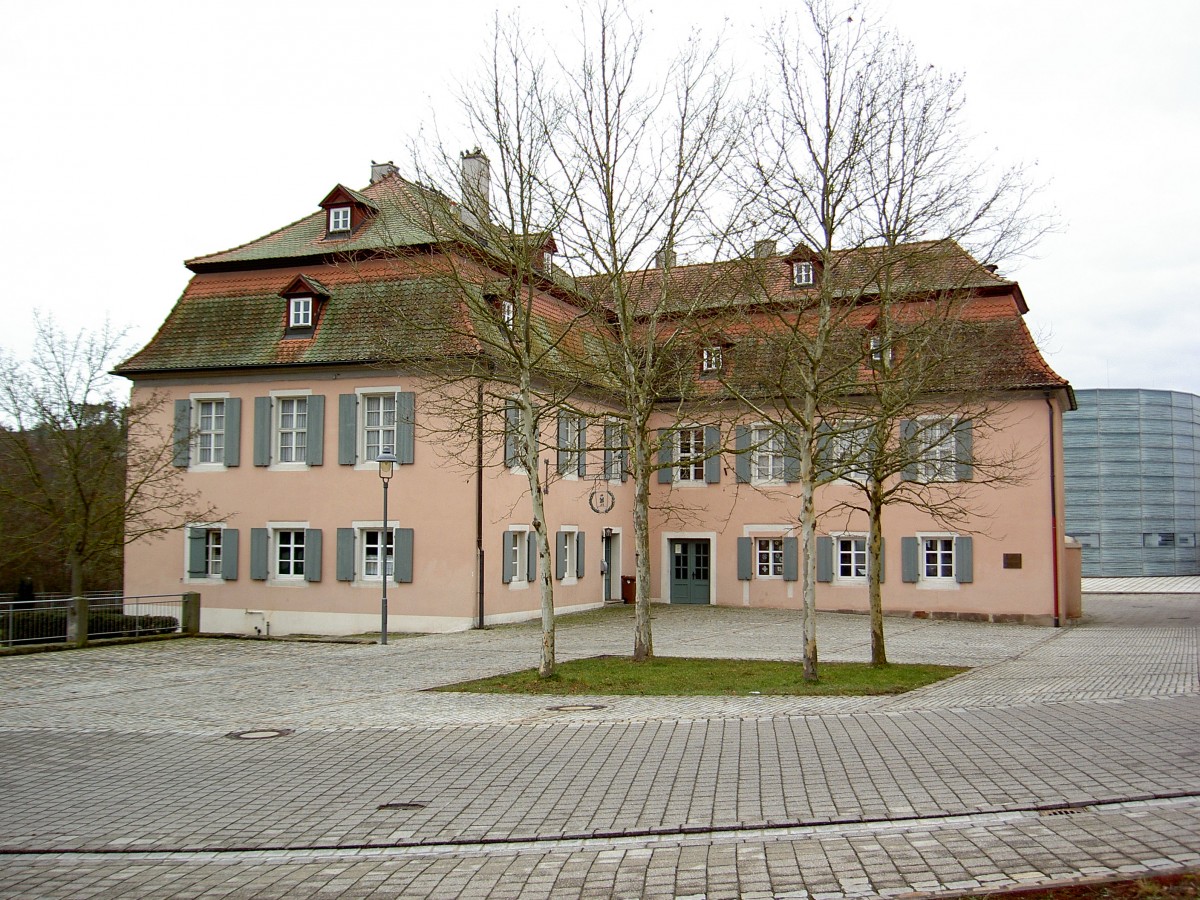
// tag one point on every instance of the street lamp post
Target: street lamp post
(387, 460)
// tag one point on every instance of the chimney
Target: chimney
(476, 185)
(380, 171)
(764, 249)
(664, 259)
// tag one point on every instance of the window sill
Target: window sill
(937, 584)
(208, 467)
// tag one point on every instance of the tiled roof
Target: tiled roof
(407, 217)
(238, 320)
(927, 266)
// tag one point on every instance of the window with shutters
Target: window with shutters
(567, 553)
(940, 448)
(850, 563)
(289, 554)
(516, 556)
(378, 423)
(292, 429)
(204, 552)
(689, 455)
(769, 557)
(376, 545)
(767, 460)
(210, 432)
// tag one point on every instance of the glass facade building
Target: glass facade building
(1132, 474)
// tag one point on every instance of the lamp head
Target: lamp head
(387, 460)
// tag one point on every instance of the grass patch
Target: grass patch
(682, 676)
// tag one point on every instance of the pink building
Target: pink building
(279, 407)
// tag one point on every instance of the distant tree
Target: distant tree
(83, 474)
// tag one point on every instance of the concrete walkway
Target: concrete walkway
(218, 768)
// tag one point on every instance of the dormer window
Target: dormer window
(300, 312)
(508, 313)
(802, 274)
(339, 218)
(880, 354)
(710, 360)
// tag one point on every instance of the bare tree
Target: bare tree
(91, 473)
(642, 162)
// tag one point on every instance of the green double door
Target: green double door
(690, 571)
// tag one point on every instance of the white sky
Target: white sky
(144, 133)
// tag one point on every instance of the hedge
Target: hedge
(48, 626)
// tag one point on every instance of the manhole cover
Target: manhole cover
(576, 707)
(402, 806)
(258, 734)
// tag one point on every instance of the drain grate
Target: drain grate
(402, 805)
(576, 707)
(1071, 811)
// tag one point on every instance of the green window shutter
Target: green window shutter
(312, 554)
(531, 556)
(909, 559)
(506, 557)
(345, 554)
(258, 554)
(745, 558)
(262, 431)
(964, 468)
(712, 465)
(582, 471)
(403, 550)
(512, 426)
(347, 429)
(314, 448)
(824, 558)
(791, 457)
(195, 561)
(908, 441)
(564, 452)
(580, 555)
(233, 431)
(229, 554)
(666, 456)
(560, 554)
(182, 435)
(741, 462)
(610, 448)
(824, 462)
(406, 427)
(964, 559)
(791, 558)
(624, 453)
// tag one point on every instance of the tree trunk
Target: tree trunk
(808, 539)
(643, 639)
(874, 568)
(531, 457)
(75, 562)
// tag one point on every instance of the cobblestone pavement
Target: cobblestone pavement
(1062, 754)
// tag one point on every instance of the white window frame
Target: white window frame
(571, 569)
(339, 219)
(576, 435)
(616, 456)
(300, 310)
(367, 559)
(849, 442)
(768, 460)
(518, 548)
(851, 538)
(689, 467)
(508, 312)
(386, 433)
(282, 401)
(802, 274)
(199, 434)
(711, 359)
(276, 552)
(768, 553)
(945, 540)
(939, 450)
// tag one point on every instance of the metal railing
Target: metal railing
(57, 619)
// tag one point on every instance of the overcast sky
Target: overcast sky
(144, 133)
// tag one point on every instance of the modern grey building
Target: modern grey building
(1132, 474)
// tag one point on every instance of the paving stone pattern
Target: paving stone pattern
(1063, 754)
